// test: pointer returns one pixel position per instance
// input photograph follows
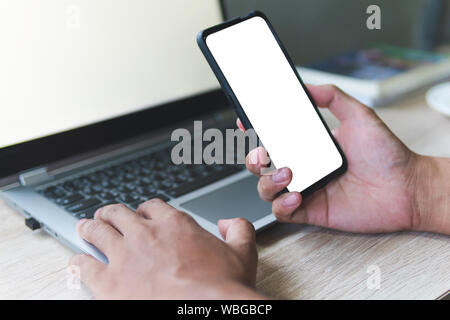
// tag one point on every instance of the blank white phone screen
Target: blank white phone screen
(274, 101)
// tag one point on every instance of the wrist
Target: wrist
(430, 192)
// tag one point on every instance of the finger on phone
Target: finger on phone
(269, 186)
(240, 125)
(339, 103)
(285, 205)
(256, 160)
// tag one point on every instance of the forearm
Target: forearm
(432, 194)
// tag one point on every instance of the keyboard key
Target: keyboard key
(197, 184)
(109, 172)
(134, 181)
(160, 176)
(167, 184)
(146, 191)
(129, 198)
(89, 213)
(69, 186)
(106, 184)
(84, 204)
(124, 189)
(50, 189)
(115, 182)
(54, 192)
(92, 178)
(128, 177)
(106, 195)
(144, 182)
(91, 190)
(180, 178)
(156, 184)
(114, 192)
(145, 171)
(69, 199)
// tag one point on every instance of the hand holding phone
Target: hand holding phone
(259, 78)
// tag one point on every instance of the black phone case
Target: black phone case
(201, 40)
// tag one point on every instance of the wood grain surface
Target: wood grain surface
(295, 261)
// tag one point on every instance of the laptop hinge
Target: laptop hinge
(34, 176)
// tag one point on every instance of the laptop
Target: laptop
(91, 92)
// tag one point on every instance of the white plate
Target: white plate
(438, 98)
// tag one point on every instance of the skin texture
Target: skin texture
(383, 189)
(162, 253)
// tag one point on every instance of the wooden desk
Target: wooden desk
(296, 261)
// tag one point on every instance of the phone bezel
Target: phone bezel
(201, 40)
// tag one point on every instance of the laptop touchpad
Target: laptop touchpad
(239, 199)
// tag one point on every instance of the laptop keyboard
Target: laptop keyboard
(132, 182)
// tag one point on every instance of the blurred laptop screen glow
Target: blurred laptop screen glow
(66, 64)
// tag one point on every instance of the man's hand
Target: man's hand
(384, 188)
(162, 253)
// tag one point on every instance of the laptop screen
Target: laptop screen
(67, 64)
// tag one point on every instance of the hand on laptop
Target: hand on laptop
(387, 187)
(162, 253)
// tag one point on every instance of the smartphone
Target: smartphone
(269, 96)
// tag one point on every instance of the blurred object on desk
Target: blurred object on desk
(379, 74)
(438, 98)
(313, 30)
